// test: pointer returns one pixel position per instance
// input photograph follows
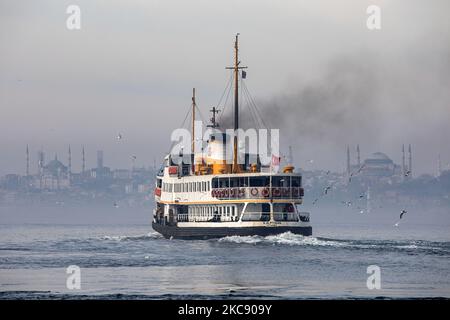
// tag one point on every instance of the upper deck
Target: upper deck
(235, 187)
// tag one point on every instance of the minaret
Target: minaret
(359, 155)
(28, 162)
(41, 160)
(368, 201)
(83, 163)
(348, 159)
(403, 162)
(70, 163)
(410, 162)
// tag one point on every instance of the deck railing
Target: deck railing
(258, 193)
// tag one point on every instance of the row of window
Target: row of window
(260, 181)
(186, 186)
(210, 211)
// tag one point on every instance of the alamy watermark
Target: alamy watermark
(374, 280)
(219, 144)
(73, 22)
(374, 20)
(73, 281)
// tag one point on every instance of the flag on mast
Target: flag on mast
(275, 163)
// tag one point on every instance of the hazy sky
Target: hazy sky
(315, 70)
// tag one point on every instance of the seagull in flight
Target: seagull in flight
(401, 216)
(402, 213)
(119, 136)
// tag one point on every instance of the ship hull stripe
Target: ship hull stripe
(220, 232)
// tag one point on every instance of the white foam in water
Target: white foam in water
(412, 246)
(287, 238)
(150, 235)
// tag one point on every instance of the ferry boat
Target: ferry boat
(212, 198)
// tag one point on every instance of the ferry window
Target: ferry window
(186, 187)
(198, 186)
(158, 183)
(280, 181)
(243, 182)
(204, 185)
(232, 211)
(223, 183)
(234, 182)
(215, 183)
(296, 181)
(208, 187)
(259, 181)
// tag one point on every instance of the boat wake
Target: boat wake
(291, 239)
(287, 238)
(148, 236)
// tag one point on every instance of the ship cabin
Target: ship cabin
(192, 193)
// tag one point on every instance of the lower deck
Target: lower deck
(199, 232)
(221, 220)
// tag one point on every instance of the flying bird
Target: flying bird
(115, 205)
(407, 173)
(315, 200)
(402, 213)
(133, 157)
(119, 136)
(326, 189)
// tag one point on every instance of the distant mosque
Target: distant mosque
(379, 166)
(54, 175)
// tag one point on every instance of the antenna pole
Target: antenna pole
(193, 121)
(236, 103)
(236, 67)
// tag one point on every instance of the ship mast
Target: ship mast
(236, 168)
(193, 121)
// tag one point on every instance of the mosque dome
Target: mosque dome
(379, 156)
(55, 167)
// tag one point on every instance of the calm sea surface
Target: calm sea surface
(132, 261)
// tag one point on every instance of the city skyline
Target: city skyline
(379, 89)
(77, 162)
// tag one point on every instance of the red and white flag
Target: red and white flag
(275, 164)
